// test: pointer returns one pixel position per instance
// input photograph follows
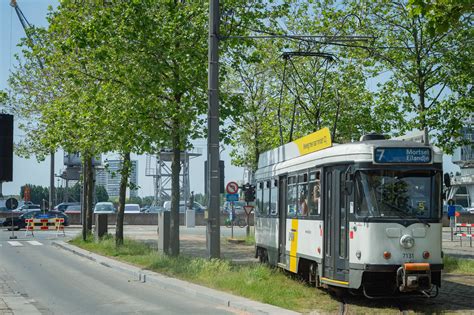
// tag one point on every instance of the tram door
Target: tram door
(336, 264)
(282, 219)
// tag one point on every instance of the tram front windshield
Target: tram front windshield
(397, 194)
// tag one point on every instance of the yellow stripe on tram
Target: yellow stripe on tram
(294, 244)
(335, 281)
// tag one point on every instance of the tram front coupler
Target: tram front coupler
(414, 277)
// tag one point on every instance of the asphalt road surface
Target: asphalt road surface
(39, 278)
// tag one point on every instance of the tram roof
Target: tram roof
(285, 157)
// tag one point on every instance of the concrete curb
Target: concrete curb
(179, 286)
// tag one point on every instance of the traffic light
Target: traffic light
(249, 192)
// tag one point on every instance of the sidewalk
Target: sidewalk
(455, 247)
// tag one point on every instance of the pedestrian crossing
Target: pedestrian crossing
(22, 243)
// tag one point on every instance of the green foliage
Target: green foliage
(441, 14)
(101, 194)
(422, 83)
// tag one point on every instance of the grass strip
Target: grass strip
(458, 265)
(254, 281)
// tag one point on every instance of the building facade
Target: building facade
(110, 177)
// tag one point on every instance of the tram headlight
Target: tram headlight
(407, 241)
(426, 254)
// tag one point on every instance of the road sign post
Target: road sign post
(12, 204)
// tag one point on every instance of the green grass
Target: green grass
(254, 281)
(458, 265)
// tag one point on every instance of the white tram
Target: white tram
(364, 216)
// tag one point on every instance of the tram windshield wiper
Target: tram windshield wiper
(404, 215)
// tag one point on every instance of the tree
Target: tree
(101, 193)
(421, 84)
(291, 88)
(441, 15)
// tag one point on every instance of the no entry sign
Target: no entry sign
(232, 188)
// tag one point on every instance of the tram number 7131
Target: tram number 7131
(408, 255)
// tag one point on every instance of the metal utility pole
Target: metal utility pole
(26, 26)
(213, 222)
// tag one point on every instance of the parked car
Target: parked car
(184, 206)
(64, 205)
(154, 209)
(73, 209)
(27, 207)
(19, 222)
(104, 207)
(132, 208)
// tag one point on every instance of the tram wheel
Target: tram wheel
(262, 256)
(313, 277)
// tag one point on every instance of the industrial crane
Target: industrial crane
(32, 41)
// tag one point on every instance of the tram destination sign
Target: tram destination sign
(402, 155)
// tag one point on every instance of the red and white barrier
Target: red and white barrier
(463, 235)
(465, 225)
(56, 224)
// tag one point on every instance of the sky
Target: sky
(32, 172)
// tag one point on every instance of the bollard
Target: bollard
(100, 225)
(190, 218)
(164, 221)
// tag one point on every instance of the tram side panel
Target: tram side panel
(266, 236)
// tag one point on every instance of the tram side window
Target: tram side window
(303, 196)
(258, 200)
(292, 197)
(314, 191)
(273, 198)
(266, 197)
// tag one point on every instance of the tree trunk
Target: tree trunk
(125, 173)
(175, 196)
(90, 193)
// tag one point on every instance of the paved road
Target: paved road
(38, 278)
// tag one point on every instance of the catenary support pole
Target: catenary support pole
(213, 222)
(51, 183)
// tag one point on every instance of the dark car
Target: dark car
(65, 206)
(19, 222)
(70, 209)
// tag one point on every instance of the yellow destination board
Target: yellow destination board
(316, 141)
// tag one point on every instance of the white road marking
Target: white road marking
(15, 243)
(36, 243)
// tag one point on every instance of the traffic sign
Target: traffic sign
(248, 209)
(11, 204)
(232, 197)
(232, 188)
